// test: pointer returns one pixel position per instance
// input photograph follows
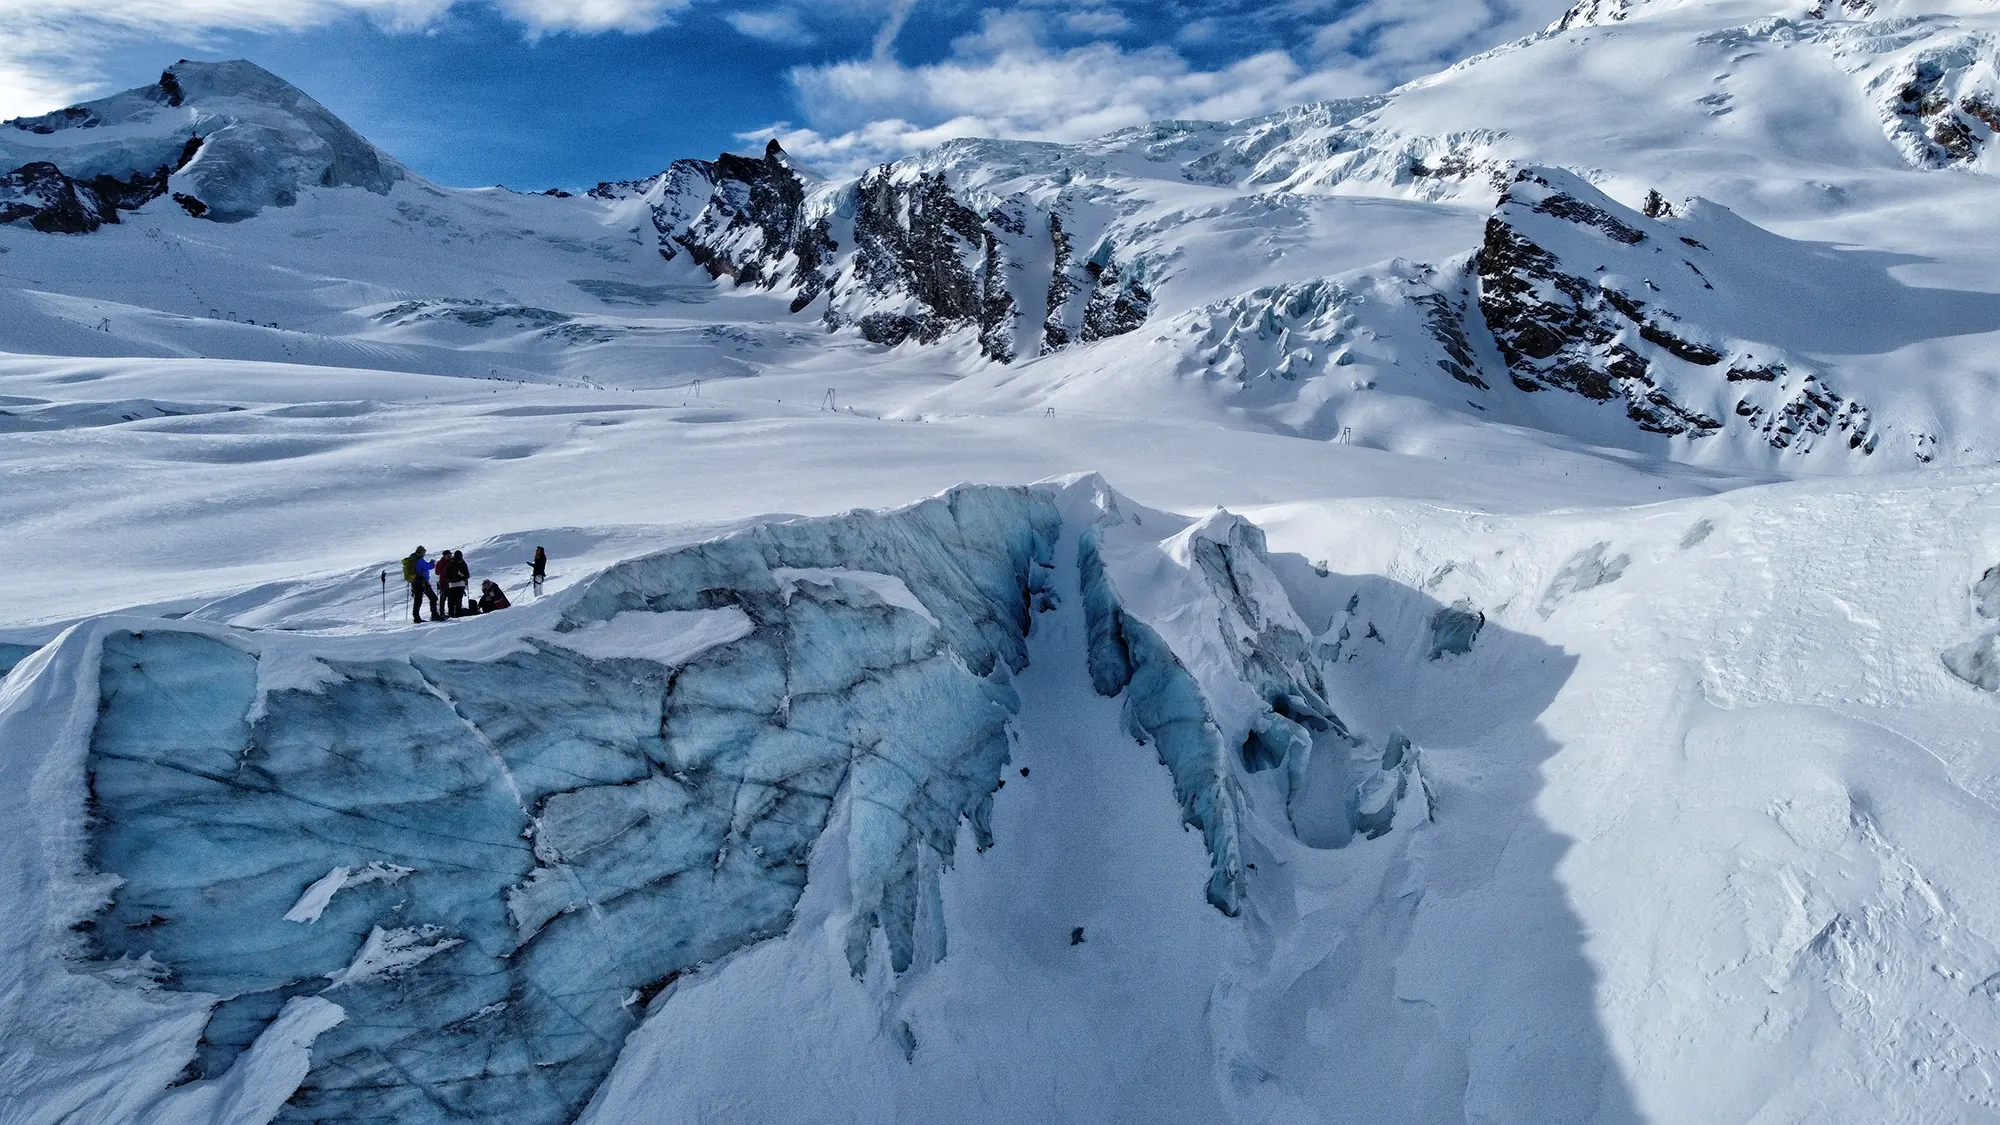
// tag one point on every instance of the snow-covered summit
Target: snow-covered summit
(225, 139)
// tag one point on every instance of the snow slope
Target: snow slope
(1507, 630)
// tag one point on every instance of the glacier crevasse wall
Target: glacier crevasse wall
(493, 865)
(494, 860)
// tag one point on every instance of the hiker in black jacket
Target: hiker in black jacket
(455, 574)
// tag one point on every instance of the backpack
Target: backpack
(410, 569)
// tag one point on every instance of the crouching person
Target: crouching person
(492, 597)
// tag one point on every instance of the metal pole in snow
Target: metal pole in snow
(385, 595)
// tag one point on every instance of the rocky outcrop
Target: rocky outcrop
(40, 195)
(738, 217)
(1587, 296)
(48, 199)
(1941, 107)
(1591, 13)
(1115, 306)
(922, 258)
(919, 261)
(1559, 329)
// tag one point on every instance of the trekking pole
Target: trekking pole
(385, 595)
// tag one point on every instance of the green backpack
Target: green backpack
(410, 569)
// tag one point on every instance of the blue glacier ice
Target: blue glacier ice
(1165, 707)
(12, 654)
(493, 865)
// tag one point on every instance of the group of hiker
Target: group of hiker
(442, 582)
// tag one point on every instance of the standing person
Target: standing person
(458, 575)
(417, 572)
(540, 568)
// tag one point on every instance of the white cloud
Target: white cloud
(1402, 39)
(1002, 82)
(885, 39)
(1097, 21)
(1005, 81)
(773, 25)
(591, 15)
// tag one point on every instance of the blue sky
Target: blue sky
(537, 93)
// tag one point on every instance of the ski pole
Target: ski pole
(385, 595)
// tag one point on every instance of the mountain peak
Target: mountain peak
(225, 139)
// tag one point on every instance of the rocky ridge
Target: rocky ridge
(902, 253)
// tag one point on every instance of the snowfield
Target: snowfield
(1479, 604)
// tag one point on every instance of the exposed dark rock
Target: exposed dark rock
(1698, 354)
(740, 217)
(1115, 307)
(1941, 107)
(1745, 373)
(1810, 410)
(914, 239)
(1573, 210)
(1055, 331)
(1588, 13)
(1558, 328)
(41, 196)
(923, 263)
(1447, 326)
(997, 308)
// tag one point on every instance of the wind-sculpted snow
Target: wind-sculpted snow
(493, 865)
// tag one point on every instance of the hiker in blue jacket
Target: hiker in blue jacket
(417, 572)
